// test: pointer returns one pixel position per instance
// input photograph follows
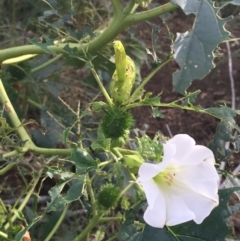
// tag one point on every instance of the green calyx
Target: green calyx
(132, 162)
(116, 122)
(108, 195)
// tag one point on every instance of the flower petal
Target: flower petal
(156, 216)
(177, 210)
(195, 156)
(147, 171)
(198, 204)
(202, 178)
(151, 190)
(169, 151)
(184, 144)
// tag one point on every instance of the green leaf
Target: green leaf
(221, 112)
(150, 149)
(217, 145)
(208, 31)
(156, 113)
(43, 46)
(190, 98)
(83, 161)
(58, 200)
(65, 134)
(75, 191)
(151, 100)
(128, 231)
(55, 172)
(212, 228)
(225, 132)
(98, 106)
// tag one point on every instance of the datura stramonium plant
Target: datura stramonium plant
(183, 187)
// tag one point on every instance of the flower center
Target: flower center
(165, 177)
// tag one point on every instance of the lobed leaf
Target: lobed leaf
(193, 50)
(83, 161)
(43, 46)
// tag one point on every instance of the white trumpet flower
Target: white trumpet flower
(183, 187)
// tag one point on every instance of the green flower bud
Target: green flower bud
(108, 195)
(116, 122)
(132, 162)
(124, 76)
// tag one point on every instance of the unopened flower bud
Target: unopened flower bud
(124, 76)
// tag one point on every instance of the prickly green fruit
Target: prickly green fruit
(116, 122)
(124, 76)
(108, 195)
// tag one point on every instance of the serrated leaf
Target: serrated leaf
(190, 98)
(98, 106)
(221, 112)
(150, 100)
(217, 145)
(128, 231)
(58, 200)
(212, 228)
(54, 171)
(43, 46)
(83, 161)
(75, 191)
(224, 132)
(156, 113)
(194, 49)
(150, 149)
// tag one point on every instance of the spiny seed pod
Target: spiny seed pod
(124, 76)
(108, 195)
(116, 122)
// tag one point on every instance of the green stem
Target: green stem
(114, 237)
(4, 235)
(25, 201)
(58, 223)
(149, 14)
(111, 219)
(125, 189)
(13, 115)
(91, 194)
(53, 151)
(7, 168)
(93, 222)
(109, 100)
(44, 65)
(116, 26)
(102, 164)
(136, 94)
(117, 7)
